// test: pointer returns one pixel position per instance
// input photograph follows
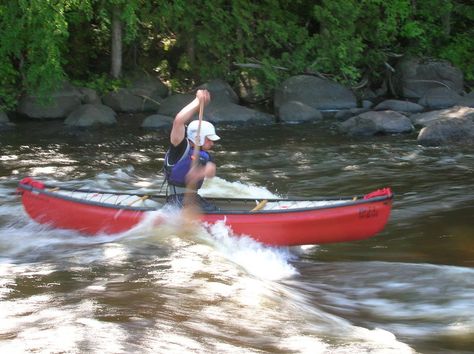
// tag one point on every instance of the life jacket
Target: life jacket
(176, 174)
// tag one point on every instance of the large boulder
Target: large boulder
(219, 112)
(147, 84)
(314, 92)
(220, 91)
(3, 117)
(89, 96)
(61, 103)
(380, 122)
(345, 114)
(157, 121)
(399, 106)
(90, 115)
(144, 94)
(426, 118)
(130, 100)
(5, 123)
(171, 105)
(414, 77)
(297, 112)
(439, 97)
(467, 100)
(453, 131)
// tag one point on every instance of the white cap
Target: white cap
(207, 131)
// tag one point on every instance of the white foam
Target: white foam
(218, 187)
(261, 261)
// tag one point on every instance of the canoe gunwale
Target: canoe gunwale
(346, 201)
(53, 194)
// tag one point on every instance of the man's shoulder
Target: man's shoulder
(182, 146)
(175, 152)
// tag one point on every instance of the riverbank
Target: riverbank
(441, 116)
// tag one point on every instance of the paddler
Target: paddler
(180, 171)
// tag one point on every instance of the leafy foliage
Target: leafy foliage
(340, 47)
(34, 34)
(460, 48)
(252, 45)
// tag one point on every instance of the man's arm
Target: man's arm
(185, 115)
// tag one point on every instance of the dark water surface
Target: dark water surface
(410, 289)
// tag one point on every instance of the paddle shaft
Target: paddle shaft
(197, 147)
(189, 200)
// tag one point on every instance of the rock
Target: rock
(149, 86)
(366, 94)
(424, 119)
(399, 106)
(439, 97)
(89, 96)
(367, 104)
(347, 113)
(171, 105)
(380, 122)
(220, 91)
(314, 92)
(467, 100)
(5, 123)
(293, 111)
(219, 112)
(453, 131)
(414, 77)
(89, 115)
(63, 101)
(447, 126)
(132, 100)
(144, 94)
(157, 121)
(3, 117)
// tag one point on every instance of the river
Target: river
(410, 289)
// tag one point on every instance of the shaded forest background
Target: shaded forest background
(252, 45)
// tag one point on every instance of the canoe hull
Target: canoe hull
(343, 223)
(85, 218)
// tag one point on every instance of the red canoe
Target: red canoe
(278, 222)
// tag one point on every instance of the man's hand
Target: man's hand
(199, 172)
(203, 96)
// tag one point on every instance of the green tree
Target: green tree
(252, 45)
(34, 45)
(98, 40)
(339, 44)
(459, 48)
(33, 38)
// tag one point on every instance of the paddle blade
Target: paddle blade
(191, 211)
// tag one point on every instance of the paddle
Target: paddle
(191, 210)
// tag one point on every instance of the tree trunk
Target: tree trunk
(446, 21)
(116, 55)
(191, 51)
